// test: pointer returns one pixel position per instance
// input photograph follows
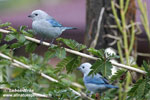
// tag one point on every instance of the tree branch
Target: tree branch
(82, 54)
(94, 42)
(18, 64)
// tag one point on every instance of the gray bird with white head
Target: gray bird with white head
(94, 83)
(46, 26)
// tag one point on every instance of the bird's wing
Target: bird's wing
(54, 23)
(104, 78)
(96, 79)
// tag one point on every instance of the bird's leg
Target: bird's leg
(41, 41)
(51, 43)
(97, 97)
(89, 94)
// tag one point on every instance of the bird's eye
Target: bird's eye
(83, 67)
(36, 14)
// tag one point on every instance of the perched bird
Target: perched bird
(46, 26)
(94, 83)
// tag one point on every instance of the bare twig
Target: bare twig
(135, 24)
(143, 54)
(82, 54)
(112, 37)
(90, 29)
(94, 42)
(17, 64)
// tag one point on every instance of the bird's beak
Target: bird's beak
(30, 16)
(78, 68)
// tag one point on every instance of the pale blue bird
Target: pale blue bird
(46, 26)
(94, 83)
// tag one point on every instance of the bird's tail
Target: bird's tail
(70, 28)
(112, 86)
(67, 28)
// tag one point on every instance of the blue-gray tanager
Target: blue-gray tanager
(46, 26)
(94, 83)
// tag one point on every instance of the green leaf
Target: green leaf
(30, 47)
(146, 67)
(1, 35)
(60, 53)
(3, 47)
(4, 62)
(70, 62)
(133, 90)
(148, 95)
(5, 24)
(99, 53)
(138, 90)
(74, 63)
(1, 93)
(36, 59)
(22, 28)
(118, 74)
(21, 38)
(101, 66)
(16, 45)
(9, 37)
(27, 33)
(141, 90)
(56, 51)
(12, 29)
(23, 60)
(62, 64)
(48, 55)
(30, 32)
(72, 44)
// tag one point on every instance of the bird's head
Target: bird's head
(85, 68)
(38, 14)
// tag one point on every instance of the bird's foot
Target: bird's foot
(41, 42)
(38, 44)
(51, 43)
(97, 97)
(89, 94)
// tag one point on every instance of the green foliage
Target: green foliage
(3, 48)
(63, 94)
(138, 90)
(141, 90)
(30, 47)
(70, 63)
(9, 37)
(72, 44)
(1, 36)
(5, 24)
(99, 53)
(28, 32)
(56, 51)
(31, 79)
(119, 74)
(147, 68)
(23, 78)
(103, 64)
